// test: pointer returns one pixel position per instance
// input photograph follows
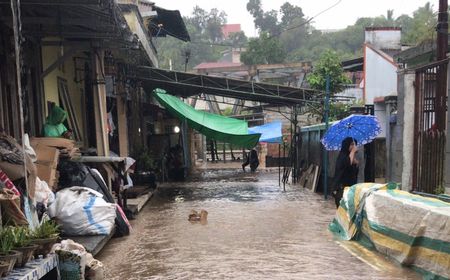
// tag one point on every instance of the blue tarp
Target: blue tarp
(271, 132)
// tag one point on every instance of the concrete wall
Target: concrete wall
(380, 76)
(354, 92)
(134, 23)
(387, 38)
(380, 113)
(405, 120)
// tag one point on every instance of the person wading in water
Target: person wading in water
(252, 159)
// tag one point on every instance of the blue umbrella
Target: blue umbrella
(363, 128)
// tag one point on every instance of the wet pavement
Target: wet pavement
(255, 230)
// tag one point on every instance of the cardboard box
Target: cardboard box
(53, 142)
(47, 173)
(47, 155)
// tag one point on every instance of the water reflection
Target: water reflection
(254, 231)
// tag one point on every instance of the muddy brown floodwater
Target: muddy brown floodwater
(255, 230)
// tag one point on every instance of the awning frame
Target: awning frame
(188, 84)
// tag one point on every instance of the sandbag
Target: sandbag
(82, 211)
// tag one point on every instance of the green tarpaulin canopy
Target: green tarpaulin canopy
(213, 126)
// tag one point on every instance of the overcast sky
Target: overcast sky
(344, 14)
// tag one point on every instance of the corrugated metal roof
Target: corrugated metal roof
(207, 65)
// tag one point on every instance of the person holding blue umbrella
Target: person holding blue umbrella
(345, 135)
(346, 170)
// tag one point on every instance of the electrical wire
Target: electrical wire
(231, 45)
(193, 42)
(307, 21)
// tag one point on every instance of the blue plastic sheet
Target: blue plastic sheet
(270, 132)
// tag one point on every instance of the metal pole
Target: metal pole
(441, 53)
(284, 167)
(325, 152)
(224, 155)
(295, 151)
(279, 164)
(291, 155)
(442, 30)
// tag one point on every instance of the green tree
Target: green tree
(264, 21)
(422, 26)
(329, 64)
(214, 22)
(205, 29)
(263, 50)
(294, 26)
(228, 111)
(289, 14)
(237, 39)
(390, 16)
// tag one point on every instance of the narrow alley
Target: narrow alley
(254, 231)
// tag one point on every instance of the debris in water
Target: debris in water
(198, 217)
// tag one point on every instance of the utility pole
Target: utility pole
(325, 152)
(441, 54)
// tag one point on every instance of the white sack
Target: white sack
(83, 211)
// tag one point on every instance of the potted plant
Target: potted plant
(22, 243)
(45, 235)
(8, 257)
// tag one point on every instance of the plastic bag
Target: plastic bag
(43, 193)
(123, 226)
(28, 149)
(83, 211)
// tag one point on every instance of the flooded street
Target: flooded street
(254, 231)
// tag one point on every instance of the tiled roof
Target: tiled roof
(227, 29)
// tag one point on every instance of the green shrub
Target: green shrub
(22, 237)
(46, 229)
(6, 240)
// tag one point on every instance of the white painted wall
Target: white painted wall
(380, 76)
(384, 39)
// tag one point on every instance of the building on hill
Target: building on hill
(228, 29)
